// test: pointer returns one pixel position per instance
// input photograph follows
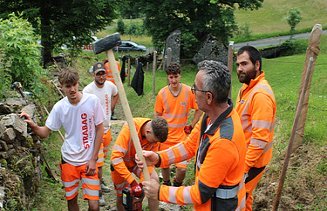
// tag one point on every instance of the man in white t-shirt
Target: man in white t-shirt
(81, 116)
(107, 92)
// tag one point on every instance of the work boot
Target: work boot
(104, 187)
(102, 202)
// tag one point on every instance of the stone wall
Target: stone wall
(19, 157)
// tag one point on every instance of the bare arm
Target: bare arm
(114, 101)
(41, 131)
(197, 116)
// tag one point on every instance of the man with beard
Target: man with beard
(173, 103)
(256, 107)
(107, 92)
(81, 116)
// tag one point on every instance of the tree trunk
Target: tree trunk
(46, 34)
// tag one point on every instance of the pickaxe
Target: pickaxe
(106, 44)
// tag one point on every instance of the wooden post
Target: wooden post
(312, 51)
(154, 67)
(129, 71)
(230, 63)
(147, 66)
(302, 106)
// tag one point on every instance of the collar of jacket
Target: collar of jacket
(254, 82)
(217, 122)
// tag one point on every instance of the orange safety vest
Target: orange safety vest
(109, 74)
(175, 110)
(123, 152)
(220, 160)
(256, 107)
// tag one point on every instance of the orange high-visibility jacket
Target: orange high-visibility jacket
(123, 152)
(220, 161)
(256, 107)
(175, 110)
(110, 76)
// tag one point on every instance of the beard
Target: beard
(99, 82)
(246, 77)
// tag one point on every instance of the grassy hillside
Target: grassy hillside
(271, 17)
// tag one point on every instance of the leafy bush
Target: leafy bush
(19, 55)
(291, 47)
(121, 26)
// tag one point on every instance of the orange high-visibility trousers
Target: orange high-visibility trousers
(250, 186)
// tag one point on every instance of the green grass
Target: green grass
(272, 16)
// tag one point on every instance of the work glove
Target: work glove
(188, 129)
(136, 189)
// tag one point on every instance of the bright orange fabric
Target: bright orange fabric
(109, 74)
(123, 152)
(175, 110)
(100, 161)
(223, 163)
(107, 138)
(256, 107)
(71, 177)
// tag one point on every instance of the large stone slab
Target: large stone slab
(212, 49)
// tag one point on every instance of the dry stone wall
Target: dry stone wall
(19, 157)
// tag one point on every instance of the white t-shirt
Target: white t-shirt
(105, 94)
(79, 122)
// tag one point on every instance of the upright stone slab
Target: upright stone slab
(173, 42)
(212, 49)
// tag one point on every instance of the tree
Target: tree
(293, 18)
(195, 18)
(62, 22)
(20, 54)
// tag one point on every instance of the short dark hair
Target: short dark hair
(217, 79)
(174, 69)
(160, 128)
(254, 54)
(68, 76)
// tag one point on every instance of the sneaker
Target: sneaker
(102, 202)
(113, 117)
(104, 187)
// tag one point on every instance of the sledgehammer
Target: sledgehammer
(106, 44)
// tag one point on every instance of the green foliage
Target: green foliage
(20, 55)
(291, 47)
(121, 26)
(60, 23)
(244, 32)
(199, 17)
(293, 18)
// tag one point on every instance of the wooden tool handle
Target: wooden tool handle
(127, 112)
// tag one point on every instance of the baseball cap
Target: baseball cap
(98, 67)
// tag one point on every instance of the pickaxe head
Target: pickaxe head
(106, 43)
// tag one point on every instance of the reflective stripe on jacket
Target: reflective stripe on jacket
(175, 110)
(256, 107)
(123, 152)
(219, 162)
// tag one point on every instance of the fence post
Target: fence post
(154, 67)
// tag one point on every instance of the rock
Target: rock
(3, 146)
(212, 49)
(4, 109)
(17, 123)
(9, 135)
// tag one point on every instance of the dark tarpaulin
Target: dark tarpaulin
(138, 79)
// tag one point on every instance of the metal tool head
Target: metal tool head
(106, 43)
